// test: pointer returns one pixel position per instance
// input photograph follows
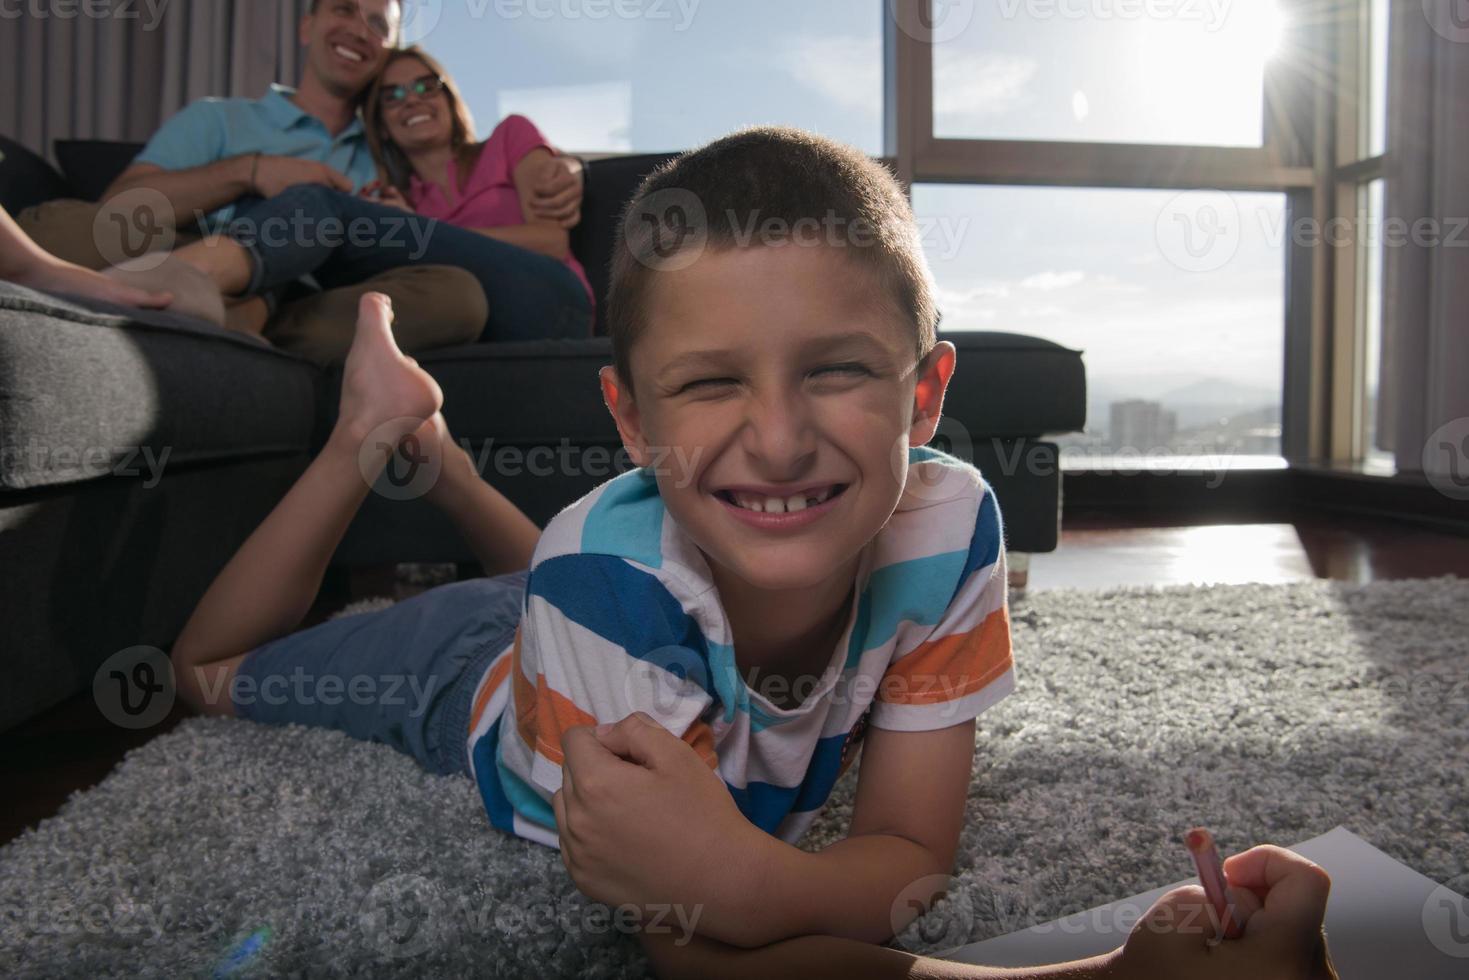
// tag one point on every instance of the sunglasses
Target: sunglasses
(423, 86)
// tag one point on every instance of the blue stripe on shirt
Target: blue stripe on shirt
(627, 520)
(766, 805)
(625, 606)
(486, 762)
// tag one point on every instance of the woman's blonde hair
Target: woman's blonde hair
(391, 159)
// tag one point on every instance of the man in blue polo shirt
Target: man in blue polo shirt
(216, 153)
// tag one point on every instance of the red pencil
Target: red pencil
(1211, 875)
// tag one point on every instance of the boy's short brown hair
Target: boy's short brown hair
(761, 186)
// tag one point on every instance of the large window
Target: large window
(658, 75)
(1113, 176)
(1177, 300)
(1106, 71)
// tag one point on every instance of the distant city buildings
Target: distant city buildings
(1141, 426)
(1141, 429)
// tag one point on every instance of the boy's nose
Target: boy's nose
(778, 431)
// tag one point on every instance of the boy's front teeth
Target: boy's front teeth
(780, 505)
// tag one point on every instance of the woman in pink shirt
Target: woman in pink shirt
(511, 187)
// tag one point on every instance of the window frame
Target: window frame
(1296, 158)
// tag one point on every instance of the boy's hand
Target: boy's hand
(1278, 895)
(642, 819)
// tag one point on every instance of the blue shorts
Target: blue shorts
(404, 676)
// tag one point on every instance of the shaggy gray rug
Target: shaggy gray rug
(1266, 712)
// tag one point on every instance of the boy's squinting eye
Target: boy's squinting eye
(704, 383)
(852, 370)
(848, 370)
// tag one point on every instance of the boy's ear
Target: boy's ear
(934, 372)
(625, 413)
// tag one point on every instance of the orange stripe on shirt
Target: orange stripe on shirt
(496, 678)
(701, 737)
(543, 715)
(951, 667)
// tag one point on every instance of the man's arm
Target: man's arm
(206, 188)
(197, 189)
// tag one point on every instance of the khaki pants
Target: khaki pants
(434, 305)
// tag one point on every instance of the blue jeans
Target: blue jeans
(404, 676)
(342, 240)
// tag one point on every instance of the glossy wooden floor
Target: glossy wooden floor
(72, 747)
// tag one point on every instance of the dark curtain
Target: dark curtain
(120, 75)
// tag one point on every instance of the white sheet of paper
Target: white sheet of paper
(1383, 920)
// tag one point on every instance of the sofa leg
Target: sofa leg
(1018, 572)
(373, 581)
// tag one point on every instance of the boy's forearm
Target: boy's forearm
(815, 957)
(19, 256)
(846, 890)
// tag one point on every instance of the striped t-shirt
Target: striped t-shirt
(621, 615)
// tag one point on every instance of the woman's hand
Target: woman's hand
(556, 192)
(384, 193)
(1278, 895)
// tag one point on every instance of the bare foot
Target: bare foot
(192, 293)
(247, 316)
(385, 395)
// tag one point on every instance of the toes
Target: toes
(375, 311)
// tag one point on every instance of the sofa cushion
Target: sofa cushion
(92, 165)
(89, 390)
(26, 180)
(1008, 384)
(546, 392)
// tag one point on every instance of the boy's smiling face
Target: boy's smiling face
(777, 371)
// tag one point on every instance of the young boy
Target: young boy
(701, 645)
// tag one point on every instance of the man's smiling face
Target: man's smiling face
(780, 383)
(347, 42)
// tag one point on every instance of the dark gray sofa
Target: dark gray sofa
(107, 543)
